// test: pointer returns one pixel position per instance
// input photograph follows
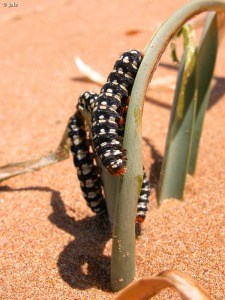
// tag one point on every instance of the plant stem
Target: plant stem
(204, 71)
(123, 266)
(180, 132)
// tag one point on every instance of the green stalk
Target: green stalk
(123, 249)
(110, 186)
(180, 131)
(204, 71)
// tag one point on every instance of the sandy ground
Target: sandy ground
(51, 245)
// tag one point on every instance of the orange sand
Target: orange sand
(51, 245)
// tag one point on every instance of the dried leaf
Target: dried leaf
(88, 72)
(35, 164)
(92, 75)
(145, 289)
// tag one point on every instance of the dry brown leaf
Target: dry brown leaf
(88, 72)
(145, 289)
(31, 165)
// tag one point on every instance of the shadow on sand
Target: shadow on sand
(82, 263)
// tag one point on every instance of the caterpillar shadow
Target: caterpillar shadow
(155, 168)
(81, 264)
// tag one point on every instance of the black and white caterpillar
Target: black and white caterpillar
(108, 116)
(87, 171)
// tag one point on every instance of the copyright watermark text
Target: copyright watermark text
(10, 4)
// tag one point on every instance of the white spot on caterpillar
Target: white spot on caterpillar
(126, 59)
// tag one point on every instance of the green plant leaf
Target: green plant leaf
(123, 250)
(206, 59)
(110, 186)
(178, 145)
